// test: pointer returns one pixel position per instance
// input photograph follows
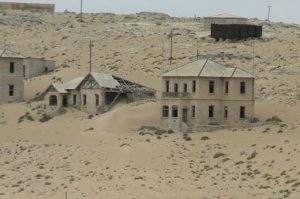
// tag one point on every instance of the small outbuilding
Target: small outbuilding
(224, 18)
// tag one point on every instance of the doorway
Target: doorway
(65, 101)
(185, 115)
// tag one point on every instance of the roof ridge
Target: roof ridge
(181, 66)
(203, 67)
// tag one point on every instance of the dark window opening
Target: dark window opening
(11, 90)
(97, 100)
(176, 88)
(46, 69)
(211, 87)
(211, 111)
(226, 87)
(242, 112)
(185, 88)
(243, 87)
(225, 112)
(65, 101)
(167, 86)
(194, 86)
(84, 99)
(193, 111)
(174, 111)
(165, 111)
(74, 99)
(24, 71)
(53, 100)
(12, 67)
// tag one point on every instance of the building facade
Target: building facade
(224, 18)
(94, 93)
(206, 93)
(14, 68)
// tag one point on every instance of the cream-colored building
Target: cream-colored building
(94, 93)
(14, 68)
(224, 18)
(205, 93)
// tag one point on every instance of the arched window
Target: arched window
(165, 111)
(174, 111)
(53, 100)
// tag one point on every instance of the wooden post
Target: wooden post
(171, 53)
(269, 12)
(90, 56)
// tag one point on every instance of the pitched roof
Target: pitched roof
(59, 87)
(226, 15)
(73, 84)
(207, 68)
(105, 80)
(9, 54)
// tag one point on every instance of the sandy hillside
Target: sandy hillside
(122, 154)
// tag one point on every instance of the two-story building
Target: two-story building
(205, 93)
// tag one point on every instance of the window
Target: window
(242, 112)
(176, 88)
(194, 86)
(97, 100)
(24, 71)
(225, 112)
(46, 69)
(226, 87)
(74, 99)
(12, 67)
(211, 87)
(84, 99)
(11, 90)
(193, 111)
(185, 88)
(53, 100)
(243, 87)
(167, 86)
(165, 111)
(174, 111)
(211, 111)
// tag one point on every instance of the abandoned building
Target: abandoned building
(235, 31)
(94, 93)
(14, 68)
(205, 93)
(224, 18)
(33, 7)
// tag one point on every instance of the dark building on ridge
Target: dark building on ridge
(235, 31)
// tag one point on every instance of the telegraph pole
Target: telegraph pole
(81, 10)
(253, 56)
(171, 53)
(91, 56)
(269, 12)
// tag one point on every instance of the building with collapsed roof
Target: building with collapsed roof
(93, 93)
(224, 18)
(206, 93)
(14, 68)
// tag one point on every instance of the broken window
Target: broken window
(243, 87)
(226, 87)
(185, 88)
(97, 100)
(53, 100)
(211, 87)
(242, 112)
(167, 86)
(225, 112)
(193, 111)
(12, 67)
(194, 86)
(174, 111)
(211, 111)
(165, 111)
(84, 99)
(11, 90)
(176, 88)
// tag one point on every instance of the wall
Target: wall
(210, 20)
(202, 99)
(90, 106)
(36, 67)
(6, 79)
(27, 6)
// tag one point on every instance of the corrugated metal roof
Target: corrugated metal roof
(105, 80)
(226, 15)
(73, 84)
(59, 87)
(9, 54)
(207, 68)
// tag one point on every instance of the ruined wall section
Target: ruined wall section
(34, 7)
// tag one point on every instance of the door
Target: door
(184, 115)
(65, 101)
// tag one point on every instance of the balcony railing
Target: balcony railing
(175, 95)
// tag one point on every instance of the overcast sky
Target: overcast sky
(282, 10)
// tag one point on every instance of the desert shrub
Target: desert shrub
(205, 138)
(274, 119)
(218, 155)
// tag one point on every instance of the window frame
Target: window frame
(11, 90)
(165, 111)
(167, 86)
(226, 87)
(225, 112)
(194, 87)
(175, 112)
(84, 99)
(53, 100)
(97, 99)
(242, 88)
(242, 112)
(193, 111)
(211, 111)
(12, 67)
(211, 87)
(176, 88)
(185, 87)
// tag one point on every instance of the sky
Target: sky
(282, 10)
